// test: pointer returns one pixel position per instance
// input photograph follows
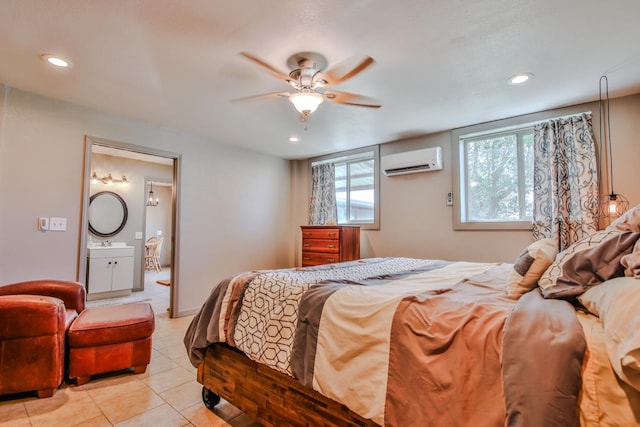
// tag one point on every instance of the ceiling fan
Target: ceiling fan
(309, 80)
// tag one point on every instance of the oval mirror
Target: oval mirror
(107, 214)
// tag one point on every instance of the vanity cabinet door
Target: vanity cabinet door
(122, 273)
(100, 275)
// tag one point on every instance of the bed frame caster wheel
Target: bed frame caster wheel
(209, 398)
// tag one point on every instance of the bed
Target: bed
(548, 340)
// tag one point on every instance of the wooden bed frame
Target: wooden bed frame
(269, 397)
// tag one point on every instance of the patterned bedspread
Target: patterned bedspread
(394, 339)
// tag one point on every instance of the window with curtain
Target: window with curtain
(344, 188)
(524, 176)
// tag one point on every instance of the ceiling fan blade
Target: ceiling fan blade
(279, 74)
(340, 72)
(271, 95)
(351, 99)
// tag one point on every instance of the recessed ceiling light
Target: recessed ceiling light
(56, 60)
(519, 78)
(294, 139)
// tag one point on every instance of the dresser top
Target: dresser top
(330, 226)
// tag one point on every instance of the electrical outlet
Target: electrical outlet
(58, 224)
(449, 198)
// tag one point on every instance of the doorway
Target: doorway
(131, 168)
(157, 230)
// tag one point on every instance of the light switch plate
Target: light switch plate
(57, 224)
(138, 235)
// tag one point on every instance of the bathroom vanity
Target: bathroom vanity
(109, 268)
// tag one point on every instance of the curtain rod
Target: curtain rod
(494, 131)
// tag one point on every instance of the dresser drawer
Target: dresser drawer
(321, 245)
(317, 258)
(321, 233)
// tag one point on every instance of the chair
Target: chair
(149, 249)
(152, 255)
(156, 254)
(34, 319)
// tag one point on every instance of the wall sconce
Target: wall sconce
(152, 201)
(612, 205)
(108, 180)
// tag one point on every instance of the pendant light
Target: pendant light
(613, 204)
(151, 200)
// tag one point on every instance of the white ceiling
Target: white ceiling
(439, 64)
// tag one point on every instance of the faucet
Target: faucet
(105, 243)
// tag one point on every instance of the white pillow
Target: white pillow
(529, 267)
(616, 302)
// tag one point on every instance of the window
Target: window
(356, 181)
(495, 179)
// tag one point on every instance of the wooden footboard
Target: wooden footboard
(269, 397)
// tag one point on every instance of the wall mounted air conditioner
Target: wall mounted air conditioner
(426, 159)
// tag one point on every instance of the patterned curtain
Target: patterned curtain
(565, 200)
(323, 208)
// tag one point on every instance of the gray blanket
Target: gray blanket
(543, 350)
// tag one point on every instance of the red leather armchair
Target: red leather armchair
(34, 318)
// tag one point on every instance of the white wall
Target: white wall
(242, 223)
(416, 222)
(625, 137)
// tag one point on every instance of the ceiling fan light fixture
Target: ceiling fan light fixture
(306, 102)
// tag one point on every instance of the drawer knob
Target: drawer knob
(331, 260)
(306, 258)
(331, 246)
(307, 245)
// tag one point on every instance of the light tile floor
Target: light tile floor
(166, 395)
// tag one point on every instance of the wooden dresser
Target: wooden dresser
(325, 244)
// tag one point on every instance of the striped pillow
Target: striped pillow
(587, 263)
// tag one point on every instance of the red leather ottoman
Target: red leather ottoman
(105, 339)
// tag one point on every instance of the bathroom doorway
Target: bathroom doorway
(132, 168)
